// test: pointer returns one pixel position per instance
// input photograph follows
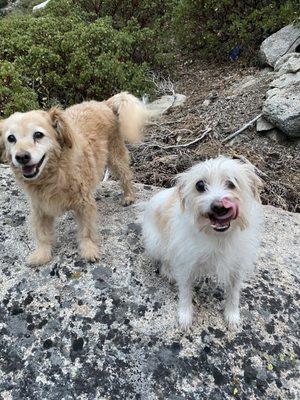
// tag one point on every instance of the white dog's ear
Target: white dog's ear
(59, 123)
(256, 184)
(180, 190)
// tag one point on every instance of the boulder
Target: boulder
(40, 6)
(272, 92)
(285, 80)
(251, 82)
(263, 125)
(288, 63)
(282, 109)
(280, 43)
(166, 102)
(108, 330)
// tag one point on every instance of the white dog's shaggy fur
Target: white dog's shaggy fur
(208, 224)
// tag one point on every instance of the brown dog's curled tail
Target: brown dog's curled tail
(132, 115)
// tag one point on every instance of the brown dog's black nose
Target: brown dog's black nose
(23, 157)
(218, 208)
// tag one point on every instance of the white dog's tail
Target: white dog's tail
(132, 115)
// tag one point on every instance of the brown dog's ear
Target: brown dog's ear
(59, 123)
(3, 155)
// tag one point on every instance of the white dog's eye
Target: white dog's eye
(200, 186)
(11, 139)
(230, 185)
(38, 135)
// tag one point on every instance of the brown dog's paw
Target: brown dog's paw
(39, 257)
(128, 200)
(89, 251)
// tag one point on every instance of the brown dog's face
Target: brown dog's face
(31, 139)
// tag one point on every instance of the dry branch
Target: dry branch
(234, 134)
(176, 146)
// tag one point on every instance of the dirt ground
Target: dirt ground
(235, 95)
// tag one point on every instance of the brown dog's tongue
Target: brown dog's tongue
(28, 169)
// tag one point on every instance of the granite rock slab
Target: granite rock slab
(74, 330)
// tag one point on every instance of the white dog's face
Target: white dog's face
(30, 140)
(219, 193)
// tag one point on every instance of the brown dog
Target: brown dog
(58, 157)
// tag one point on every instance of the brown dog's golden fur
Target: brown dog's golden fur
(78, 142)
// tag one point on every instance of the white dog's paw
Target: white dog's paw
(232, 318)
(166, 273)
(39, 257)
(185, 318)
(89, 251)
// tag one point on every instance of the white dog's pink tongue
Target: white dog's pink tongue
(227, 203)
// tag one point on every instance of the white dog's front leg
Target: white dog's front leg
(185, 303)
(232, 301)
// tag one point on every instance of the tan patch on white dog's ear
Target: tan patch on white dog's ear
(59, 123)
(256, 184)
(162, 215)
(179, 179)
(181, 197)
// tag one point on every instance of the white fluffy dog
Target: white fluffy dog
(208, 224)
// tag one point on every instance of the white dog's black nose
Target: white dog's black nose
(218, 208)
(23, 157)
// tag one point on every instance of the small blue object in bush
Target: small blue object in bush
(234, 54)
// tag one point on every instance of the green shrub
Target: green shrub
(214, 27)
(148, 13)
(66, 58)
(14, 96)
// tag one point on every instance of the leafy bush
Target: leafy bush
(148, 13)
(67, 58)
(144, 20)
(13, 94)
(214, 27)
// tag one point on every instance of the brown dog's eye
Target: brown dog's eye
(11, 139)
(200, 186)
(38, 135)
(230, 185)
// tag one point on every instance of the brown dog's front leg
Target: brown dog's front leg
(87, 217)
(43, 227)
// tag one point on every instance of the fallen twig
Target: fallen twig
(175, 146)
(234, 134)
